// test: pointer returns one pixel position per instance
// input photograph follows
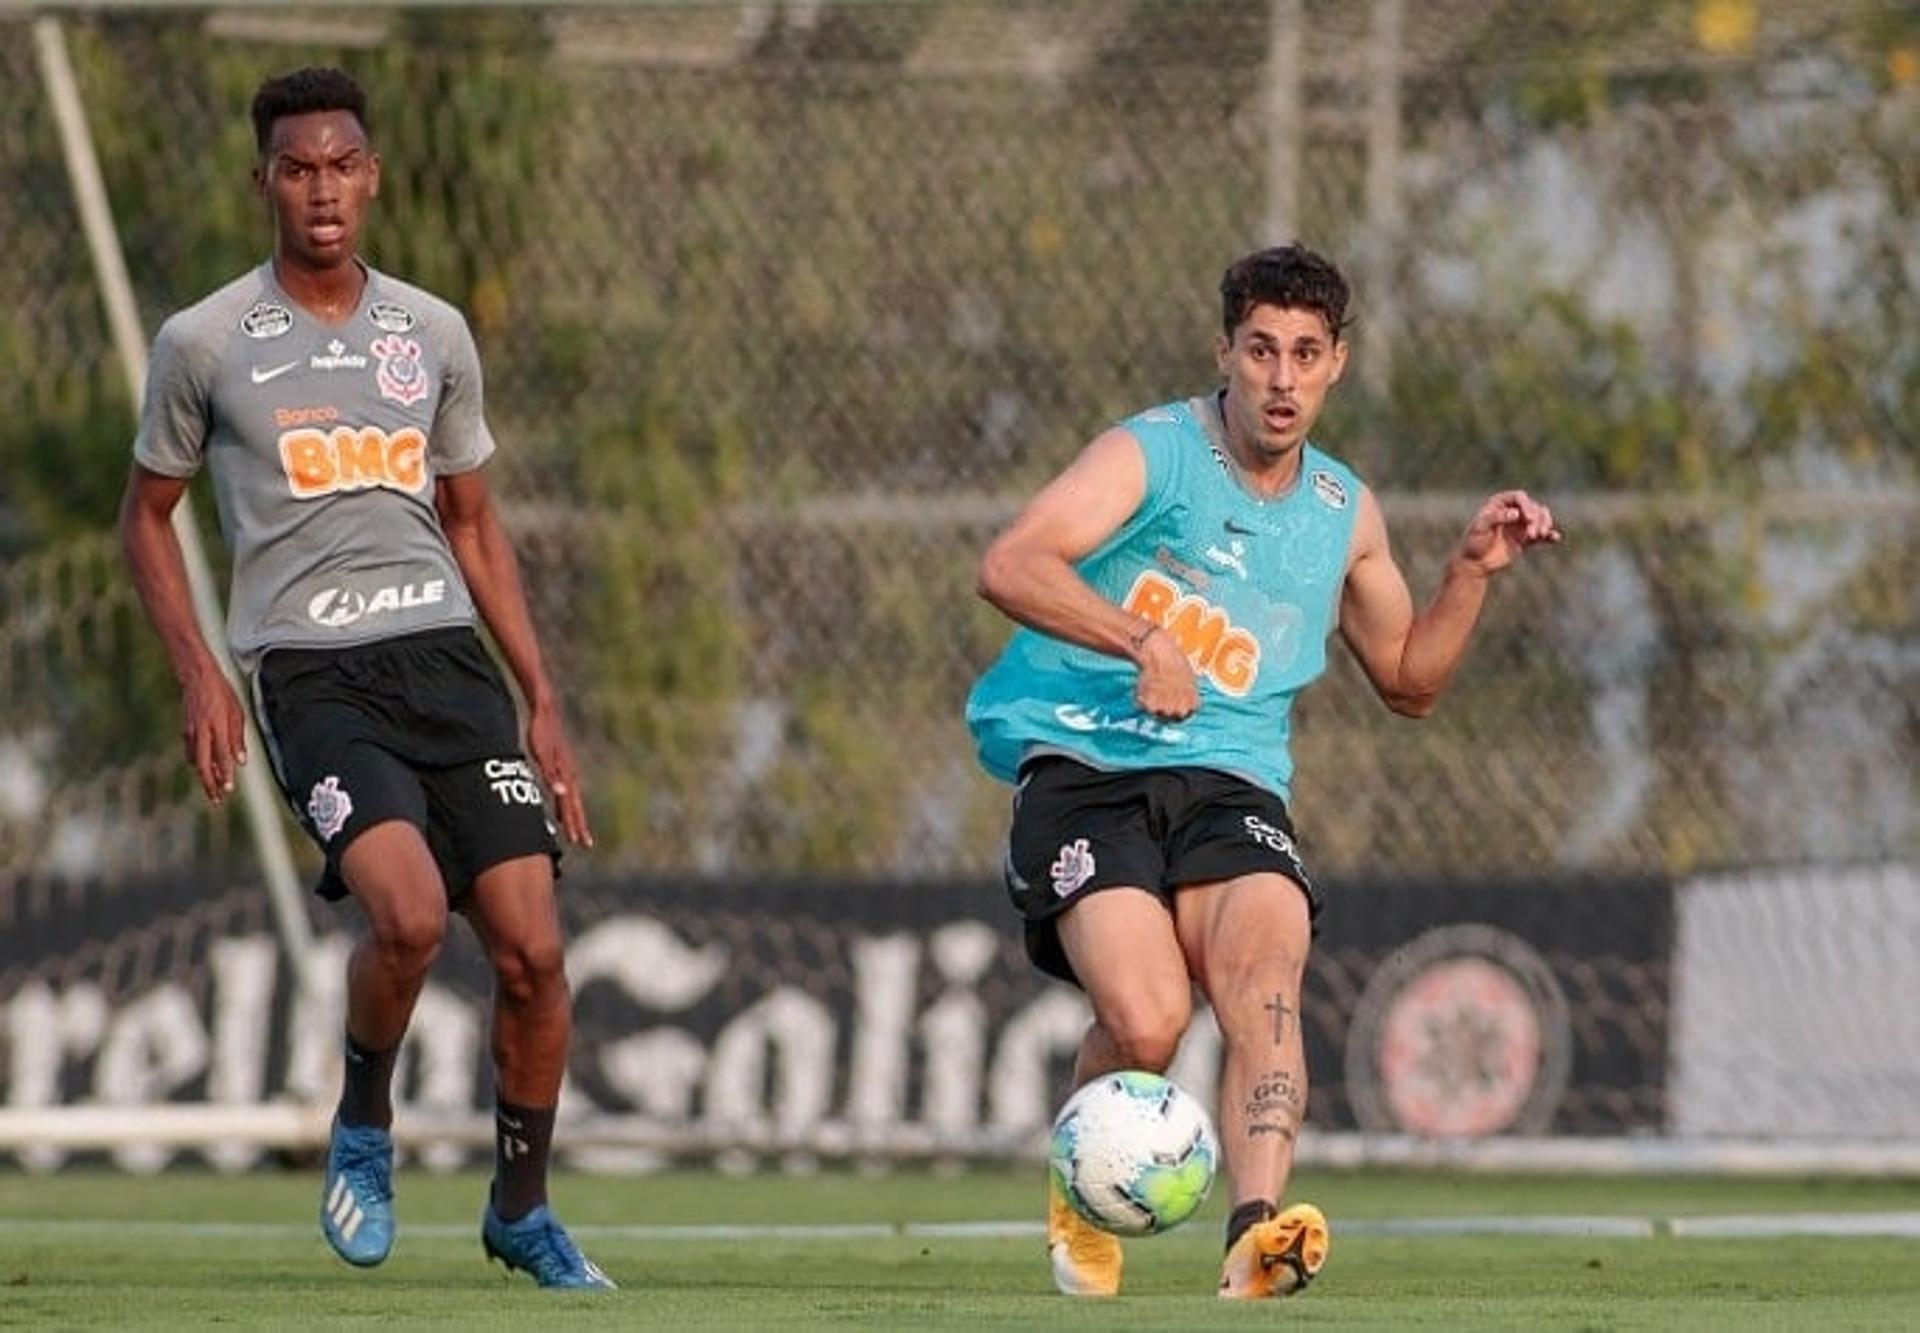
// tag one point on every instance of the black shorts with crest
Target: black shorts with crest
(1078, 830)
(419, 728)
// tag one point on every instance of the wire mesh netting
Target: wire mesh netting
(785, 307)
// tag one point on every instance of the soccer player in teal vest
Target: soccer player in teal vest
(1176, 586)
(339, 411)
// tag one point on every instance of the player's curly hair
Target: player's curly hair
(1289, 276)
(302, 91)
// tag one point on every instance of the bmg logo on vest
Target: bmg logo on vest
(1219, 649)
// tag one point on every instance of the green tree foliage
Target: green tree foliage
(461, 133)
(721, 301)
(657, 623)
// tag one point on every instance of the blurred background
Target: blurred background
(786, 306)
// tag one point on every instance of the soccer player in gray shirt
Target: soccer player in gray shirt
(339, 413)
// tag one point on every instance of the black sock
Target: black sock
(521, 1137)
(1254, 1210)
(366, 1095)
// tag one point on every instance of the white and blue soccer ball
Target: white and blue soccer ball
(1133, 1153)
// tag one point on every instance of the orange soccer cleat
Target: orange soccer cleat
(1085, 1259)
(1276, 1257)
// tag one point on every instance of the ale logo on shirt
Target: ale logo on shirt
(1219, 649)
(353, 458)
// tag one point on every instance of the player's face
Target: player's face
(1278, 366)
(318, 175)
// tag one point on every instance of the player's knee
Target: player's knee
(409, 939)
(1146, 1035)
(529, 971)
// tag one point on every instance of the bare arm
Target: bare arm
(1411, 658)
(486, 559)
(215, 728)
(1027, 571)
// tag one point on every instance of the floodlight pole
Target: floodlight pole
(1286, 132)
(1383, 192)
(257, 796)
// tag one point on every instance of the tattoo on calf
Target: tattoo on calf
(1279, 1008)
(1276, 1105)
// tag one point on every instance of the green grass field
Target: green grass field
(703, 1250)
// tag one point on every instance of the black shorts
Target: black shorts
(419, 728)
(1077, 830)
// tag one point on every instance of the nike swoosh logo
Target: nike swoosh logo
(262, 376)
(1241, 528)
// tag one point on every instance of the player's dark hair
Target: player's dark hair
(1291, 277)
(302, 91)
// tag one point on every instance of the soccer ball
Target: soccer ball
(1133, 1153)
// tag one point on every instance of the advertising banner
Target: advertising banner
(896, 1016)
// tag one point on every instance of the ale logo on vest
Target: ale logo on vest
(1219, 649)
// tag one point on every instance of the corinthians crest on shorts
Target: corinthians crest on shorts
(401, 376)
(328, 807)
(1073, 867)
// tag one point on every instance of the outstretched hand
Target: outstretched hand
(1507, 524)
(553, 756)
(215, 733)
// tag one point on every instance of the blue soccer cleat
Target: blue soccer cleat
(537, 1244)
(356, 1201)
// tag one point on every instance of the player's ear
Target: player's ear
(373, 184)
(1222, 353)
(1340, 346)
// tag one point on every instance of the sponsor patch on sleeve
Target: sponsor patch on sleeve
(1329, 488)
(266, 320)
(390, 316)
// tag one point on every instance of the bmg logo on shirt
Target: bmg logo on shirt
(346, 458)
(1219, 649)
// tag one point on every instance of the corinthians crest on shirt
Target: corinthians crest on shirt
(401, 374)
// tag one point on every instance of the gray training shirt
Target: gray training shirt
(324, 441)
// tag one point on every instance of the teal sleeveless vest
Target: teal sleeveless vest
(1250, 588)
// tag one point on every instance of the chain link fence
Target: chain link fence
(785, 307)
